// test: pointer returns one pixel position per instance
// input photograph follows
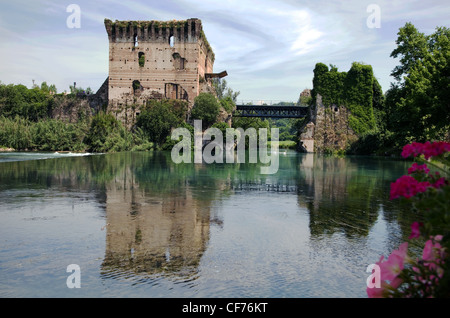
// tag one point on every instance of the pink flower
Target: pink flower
(394, 264)
(435, 148)
(373, 292)
(413, 149)
(418, 168)
(407, 186)
(432, 250)
(415, 230)
(428, 149)
(433, 254)
(439, 183)
(389, 271)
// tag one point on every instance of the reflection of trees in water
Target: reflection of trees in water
(159, 213)
(347, 194)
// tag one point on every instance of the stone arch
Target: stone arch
(137, 87)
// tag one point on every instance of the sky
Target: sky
(268, 48)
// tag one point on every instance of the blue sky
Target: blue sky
(268, 48)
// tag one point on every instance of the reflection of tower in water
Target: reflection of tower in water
(153, 234)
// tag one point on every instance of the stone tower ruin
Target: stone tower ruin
(156, 60)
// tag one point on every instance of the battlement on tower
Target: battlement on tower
(190, 31)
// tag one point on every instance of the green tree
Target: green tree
(228, 104)
(107, 134)
(18, 100)
(419, 101)
(411, 48)
(206, 108)
(223, 91)
(48, 89)
(158, 119)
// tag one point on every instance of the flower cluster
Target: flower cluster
(419, 280)
(399, 274)
(416, 168)
(428, 149)
(407, 186)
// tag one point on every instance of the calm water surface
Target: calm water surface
(140, 226)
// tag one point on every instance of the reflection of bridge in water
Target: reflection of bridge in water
(264, 187)
(162, 229)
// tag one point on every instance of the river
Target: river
(138, 225)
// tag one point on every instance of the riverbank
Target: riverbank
(286, 144)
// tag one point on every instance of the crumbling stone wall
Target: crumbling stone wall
(70, 108)
(327, 130)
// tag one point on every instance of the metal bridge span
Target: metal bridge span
(270, 111)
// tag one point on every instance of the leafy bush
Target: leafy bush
(227, 104)
(17, 100)
(106, 134)
(159, 118)
(206, 108)
(54, 135)
(46, 135)
(16, 133)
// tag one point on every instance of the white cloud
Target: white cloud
(269, 48)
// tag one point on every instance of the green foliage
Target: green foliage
(79, 90)
(206, 108)
(418, 102)
(375, 142)
(16, 133)
(54, 135)
(228, 104)
(170, 143)
(252, 122)
(223, 91)
(48, 89)
(17, 100)
(304, 100)
(47, 135)
(356, 89)
(411, 47)
(287, 128)
(141, 59)
(158, 119)
(107, 134)
(329, 84)
(222, 127)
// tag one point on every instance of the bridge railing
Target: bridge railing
(268, 111)
(260, 102)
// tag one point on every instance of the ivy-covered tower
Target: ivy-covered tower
(155, 60)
